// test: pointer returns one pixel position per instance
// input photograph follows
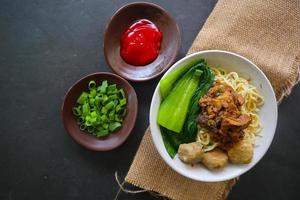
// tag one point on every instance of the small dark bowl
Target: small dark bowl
(114, 139)
(120, 22)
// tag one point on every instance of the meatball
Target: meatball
(215, 159)
(190, 153)
(241, 152)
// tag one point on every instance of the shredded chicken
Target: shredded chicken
(221, 115)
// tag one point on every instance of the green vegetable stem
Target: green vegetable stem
(166, 84)
(177, 102)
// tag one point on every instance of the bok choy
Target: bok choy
(179, 108)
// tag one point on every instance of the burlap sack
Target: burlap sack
(268, 33)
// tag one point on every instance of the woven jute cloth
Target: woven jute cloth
(266, 32)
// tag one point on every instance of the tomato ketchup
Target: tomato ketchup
(140, 43)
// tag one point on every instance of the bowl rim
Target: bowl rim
(129, 130)
(173, 58)
(182, 171)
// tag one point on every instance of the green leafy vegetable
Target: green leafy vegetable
(188, 133)
(100, 110)
(167, 142)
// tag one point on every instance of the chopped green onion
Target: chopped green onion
(103, 87)
(82, 98)
(112, 89)
(122, 93)
(94, 114)
(82, 127)
(109, 105)
(92, 101)
(111, 115)
(80, 120)
(118, 118)
(105, 126)
(123, 102)
(85, 109)
(104, 99)
(101, 109)
(92, 84)
(118, 108)
(97, 101)
(76, 111)
(102, 133)
(113, 97)
(93, 93)
(103, 118)
(114, 126)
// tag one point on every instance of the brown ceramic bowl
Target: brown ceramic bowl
(114, 139)
(120, 22)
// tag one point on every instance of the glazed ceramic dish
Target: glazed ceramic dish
(91, 142)
(268, 115)
(120, 22)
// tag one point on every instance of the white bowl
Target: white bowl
(268, 115)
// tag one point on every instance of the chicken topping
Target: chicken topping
(221, 115)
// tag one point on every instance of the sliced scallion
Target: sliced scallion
(101, 109)
(92, 84)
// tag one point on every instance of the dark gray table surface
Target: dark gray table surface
(45, 46)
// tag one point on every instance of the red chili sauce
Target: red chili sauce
(140, 43)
